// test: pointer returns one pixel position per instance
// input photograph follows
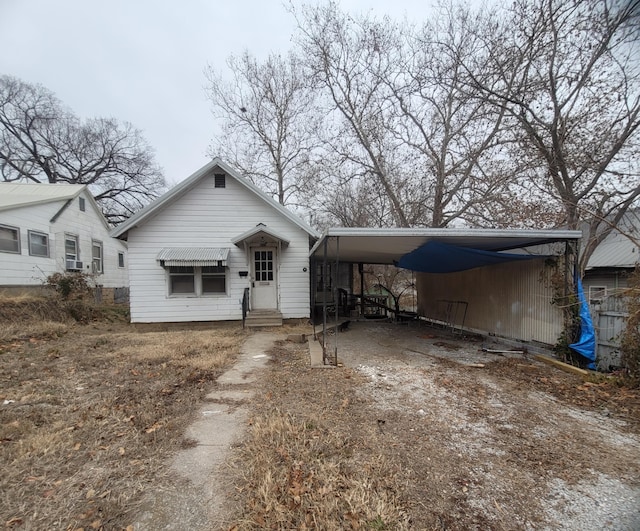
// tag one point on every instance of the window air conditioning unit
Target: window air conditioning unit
(74, 265)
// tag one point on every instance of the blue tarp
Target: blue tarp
(586, 345)
(437, 257)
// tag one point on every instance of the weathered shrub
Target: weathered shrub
(630, 340)
(71, 284)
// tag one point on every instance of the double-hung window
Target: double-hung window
(9, 239)
(38, 243)
(72, 253)
(97, 263)
(71, 247)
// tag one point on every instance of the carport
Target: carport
(491, 269)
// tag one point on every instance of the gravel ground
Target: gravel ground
(594, 485)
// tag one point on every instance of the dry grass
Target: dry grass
(90, 413)
(302, 475)
(303, 467)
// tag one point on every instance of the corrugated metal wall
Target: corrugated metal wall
(511, 300)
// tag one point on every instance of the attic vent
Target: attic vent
(219, 180)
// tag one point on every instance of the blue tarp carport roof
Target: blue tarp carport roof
(437, 257)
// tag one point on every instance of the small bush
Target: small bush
(70, 285)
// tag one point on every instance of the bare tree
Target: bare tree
(567, 74)
(41, 141)
(348, 60)
(404, 121)
(456, 140)
(269, 124)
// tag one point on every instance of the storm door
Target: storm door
(264, 290)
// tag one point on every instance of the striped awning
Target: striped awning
(193, 256)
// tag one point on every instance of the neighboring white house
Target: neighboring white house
(48, 228)
(606, 282)
(195, 251)
(613, 260)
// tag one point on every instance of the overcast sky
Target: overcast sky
(142, 61)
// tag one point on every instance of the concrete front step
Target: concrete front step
(258, 318)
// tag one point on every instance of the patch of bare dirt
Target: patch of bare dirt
(423, 430)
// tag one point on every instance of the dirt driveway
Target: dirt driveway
(471, 440)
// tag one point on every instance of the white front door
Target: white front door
(264, 290)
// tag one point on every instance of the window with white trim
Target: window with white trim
(214, 279)
(71, 252)
(120, 260)
(71, 247)
(97, 264)
(9, 239)
(38, 243)
(82, 204)
(182, 280)
(597, 294)
(197, 281)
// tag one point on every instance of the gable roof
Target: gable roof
(15, 195)
(19, 195)
(183, 187)
(260, 230)
(618, 250)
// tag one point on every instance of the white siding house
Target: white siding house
(48, 228)
(194, 251)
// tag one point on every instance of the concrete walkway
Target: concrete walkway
(220, 423)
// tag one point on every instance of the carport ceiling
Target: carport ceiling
(386, 246)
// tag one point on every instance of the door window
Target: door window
(264, 265)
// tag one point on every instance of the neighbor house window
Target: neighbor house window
(182, 280)
(220, 180)
(9, 239)
(82, 205)
(120, 259)
(96, 257)
(72, 253)
(597, 294)
(198, 281)
(213, 279)
(71, 247)
(38, 244)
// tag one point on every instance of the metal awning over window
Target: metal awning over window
(193, 256)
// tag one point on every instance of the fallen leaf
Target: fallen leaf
(96, 524)
(77, 446)
(48, 493)
(91, 493)
(156, 426)
(121, 451)
(16, 520)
